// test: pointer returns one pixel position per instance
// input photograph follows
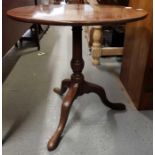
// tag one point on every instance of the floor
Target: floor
(31, 109)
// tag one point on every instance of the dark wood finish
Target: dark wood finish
(77, 86)
(33, 36)
(114, 2)
(75, 1)
(37, 35)
(137, 70)
(66, 105)
(76, 14)
(64, 85)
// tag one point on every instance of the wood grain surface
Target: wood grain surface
(137, 69)
(77, 14)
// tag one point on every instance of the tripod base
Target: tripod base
(76, 86)
(75, 90)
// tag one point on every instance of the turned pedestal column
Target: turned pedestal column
(76, 86)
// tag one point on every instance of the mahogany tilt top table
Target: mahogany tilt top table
(77, 15)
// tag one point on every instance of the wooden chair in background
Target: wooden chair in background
(95, 36)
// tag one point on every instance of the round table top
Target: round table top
(77, 14)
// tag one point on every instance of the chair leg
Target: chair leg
(37, 36)
(66, 105)
(97, 37)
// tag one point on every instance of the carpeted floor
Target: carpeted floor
(31, 109)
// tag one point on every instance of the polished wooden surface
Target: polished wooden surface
(137, 70)
(77, 14)
(77, 86)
